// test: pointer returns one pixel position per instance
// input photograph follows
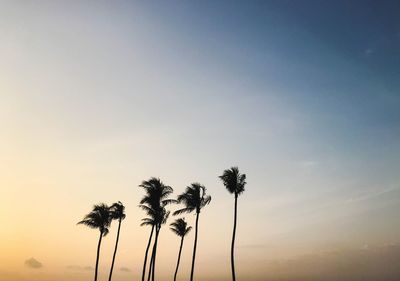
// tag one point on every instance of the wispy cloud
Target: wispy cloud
(370, 263)
(308, 163)
(368, 52)
(33, 263)
(371, 194)
(80, 268)
(252, 246)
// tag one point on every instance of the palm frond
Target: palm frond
(184, 210)
(188, 229)
(206, 200)
(169, 201)
(174, 231)
(146, 223)
(105, 231)
(88, 223)
(147, 209)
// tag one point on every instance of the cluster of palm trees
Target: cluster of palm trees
(100, 218)
(154, 203)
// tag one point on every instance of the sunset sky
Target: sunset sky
(303, 96)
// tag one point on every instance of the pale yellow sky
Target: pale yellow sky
(96, 98)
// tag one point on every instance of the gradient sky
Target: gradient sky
(304, 96)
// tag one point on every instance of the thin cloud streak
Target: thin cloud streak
(33, 263)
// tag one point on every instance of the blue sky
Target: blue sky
(336, 61)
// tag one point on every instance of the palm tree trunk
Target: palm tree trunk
(115, 251)
(151, 272)
(233, 241)
(179, 258)
(151, 264)
(147, 251)
(155, 253)
(195, 246)
(98, 256)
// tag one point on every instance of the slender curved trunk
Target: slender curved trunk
(155, 254)
(151, 272)
(233, 241)
(115, 251)
(151, 264)
(179, 258)
(98, 256)
(195, 246)
(147, 251)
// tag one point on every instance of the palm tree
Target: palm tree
(194, 198)
(117, 212)
(98, 218)
(154, 201)
(234, 182)
(180, 228)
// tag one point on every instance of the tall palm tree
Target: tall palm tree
(98, 218)
(234, 182)
(117, 212)
(180, 228)
(194, 199)
(154, 201)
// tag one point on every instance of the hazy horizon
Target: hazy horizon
(97, 96)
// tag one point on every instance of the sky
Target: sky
(303, 96)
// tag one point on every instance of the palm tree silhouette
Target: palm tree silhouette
(180, 228)
(234, 182)
(154, 202)
(117, 212)
(98, 218)
(194, 198)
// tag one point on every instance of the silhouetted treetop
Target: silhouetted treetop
(233, 180)
(180, 228)
(99, 218)
(156, 193)
(194, 199)
(117, 211)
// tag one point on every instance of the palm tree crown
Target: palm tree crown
(156, 193)
(99, 218)
(194, 198)
(180, 228)
(117, 211)
(233, 180)
(156, 215)
(153, 203)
